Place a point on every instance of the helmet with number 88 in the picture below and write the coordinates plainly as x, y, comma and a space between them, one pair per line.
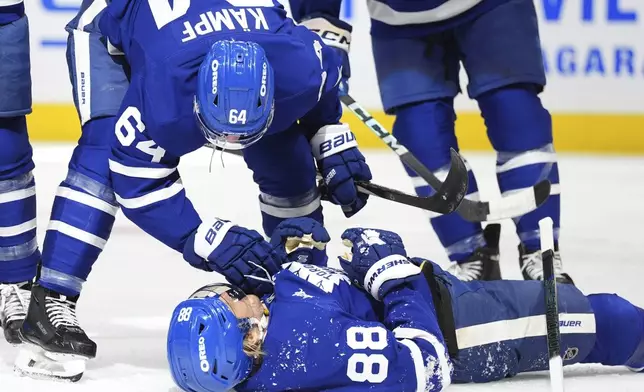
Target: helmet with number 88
205, 342
234, 102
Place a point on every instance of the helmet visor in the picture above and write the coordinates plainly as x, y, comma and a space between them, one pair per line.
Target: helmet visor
234, 297
217, 289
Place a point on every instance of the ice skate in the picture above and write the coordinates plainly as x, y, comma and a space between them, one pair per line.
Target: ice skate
532, 266
14, 302
60, 346
483, 264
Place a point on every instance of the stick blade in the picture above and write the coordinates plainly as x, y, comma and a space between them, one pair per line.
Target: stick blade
454, 188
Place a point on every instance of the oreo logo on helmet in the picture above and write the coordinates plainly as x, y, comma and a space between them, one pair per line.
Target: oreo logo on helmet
214, 66
262, 90
203, 360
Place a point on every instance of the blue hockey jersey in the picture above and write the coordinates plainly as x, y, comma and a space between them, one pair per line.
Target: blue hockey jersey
326, 335
403, 18
164, 43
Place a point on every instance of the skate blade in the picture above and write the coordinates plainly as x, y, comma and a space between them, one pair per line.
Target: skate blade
36, 363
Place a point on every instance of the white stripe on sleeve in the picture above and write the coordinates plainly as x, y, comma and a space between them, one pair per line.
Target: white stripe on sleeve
419, 364
140, 172
152, 197
441, 352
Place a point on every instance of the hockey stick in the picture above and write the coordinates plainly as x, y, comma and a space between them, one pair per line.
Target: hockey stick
552, 308
516, 204
369, 188
455, 185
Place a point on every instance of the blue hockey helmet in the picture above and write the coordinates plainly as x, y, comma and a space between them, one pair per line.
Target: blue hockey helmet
234, 102
205, 342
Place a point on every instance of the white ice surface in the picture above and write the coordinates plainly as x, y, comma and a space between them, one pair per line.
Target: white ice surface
137, 282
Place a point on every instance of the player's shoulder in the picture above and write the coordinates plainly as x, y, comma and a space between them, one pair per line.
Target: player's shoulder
161, 113
321, 280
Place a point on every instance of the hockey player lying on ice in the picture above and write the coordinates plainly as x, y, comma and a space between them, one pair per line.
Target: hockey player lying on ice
403, 325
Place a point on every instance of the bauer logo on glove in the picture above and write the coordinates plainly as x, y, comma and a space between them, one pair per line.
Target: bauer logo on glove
337, 141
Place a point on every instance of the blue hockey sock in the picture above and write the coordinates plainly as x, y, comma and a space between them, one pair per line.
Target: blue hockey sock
83, 213
427, 130
619, 332
19, 255
520, 130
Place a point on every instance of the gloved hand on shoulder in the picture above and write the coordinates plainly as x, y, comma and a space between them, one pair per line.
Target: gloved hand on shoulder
303, 240
240, 254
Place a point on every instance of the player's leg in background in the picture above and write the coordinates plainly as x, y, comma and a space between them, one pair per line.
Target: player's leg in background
85, 206
620, 332
19, 255
418, 80
284, 169
502, 56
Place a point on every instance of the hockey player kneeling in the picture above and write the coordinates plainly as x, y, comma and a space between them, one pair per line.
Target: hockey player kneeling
386, 322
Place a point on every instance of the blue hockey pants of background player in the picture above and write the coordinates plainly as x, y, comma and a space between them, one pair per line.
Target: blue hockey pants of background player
419, 79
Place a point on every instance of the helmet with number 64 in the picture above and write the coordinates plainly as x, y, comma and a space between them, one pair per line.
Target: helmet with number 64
234, 103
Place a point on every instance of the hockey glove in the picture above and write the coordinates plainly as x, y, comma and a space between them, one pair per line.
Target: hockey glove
240, 254
341, 164
377, 260
336, 34
303, 240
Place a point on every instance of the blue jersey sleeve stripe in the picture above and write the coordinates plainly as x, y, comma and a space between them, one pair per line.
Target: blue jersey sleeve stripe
140, 172
77, 233
152, 197
87, 200
419, 364
9, 231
